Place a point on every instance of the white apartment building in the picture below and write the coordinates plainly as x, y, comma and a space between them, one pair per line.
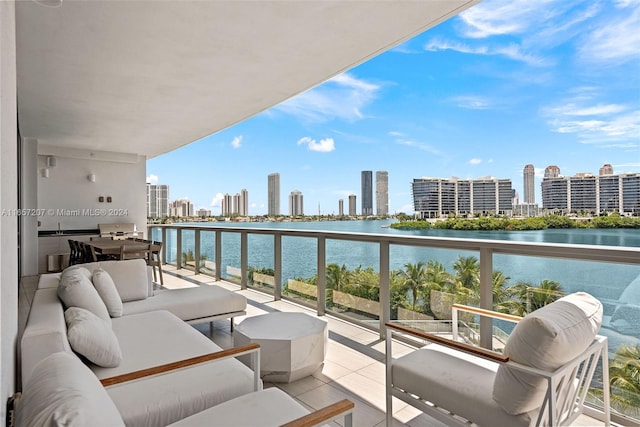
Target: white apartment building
296, 205
157, 200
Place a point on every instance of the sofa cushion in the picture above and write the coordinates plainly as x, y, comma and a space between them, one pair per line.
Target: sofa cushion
62, 391
92, 337
103, 283
130, 277
545, 339
76, 290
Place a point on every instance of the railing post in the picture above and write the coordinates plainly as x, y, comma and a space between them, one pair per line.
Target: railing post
486, 296
218, 255
178, 248
164, 245
454, 323
277, 266
385, 288
322, 275
196, 250
244, 259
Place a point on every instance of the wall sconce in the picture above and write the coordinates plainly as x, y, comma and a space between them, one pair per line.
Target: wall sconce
45, 173
51, 161
91, 177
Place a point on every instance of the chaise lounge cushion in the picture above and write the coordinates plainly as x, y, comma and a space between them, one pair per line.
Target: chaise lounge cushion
107, 290
62, 391
545, 339
191, 303
92, 337
76, 290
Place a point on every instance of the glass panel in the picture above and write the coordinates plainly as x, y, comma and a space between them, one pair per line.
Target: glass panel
300, 269
261, 266
208, 252
353, 280
188, 249
230, 268
170, 246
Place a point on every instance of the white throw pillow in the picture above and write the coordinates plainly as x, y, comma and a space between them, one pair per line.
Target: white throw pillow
62, 391
76, 290
545, 339
92, 337
130, 277
108, 292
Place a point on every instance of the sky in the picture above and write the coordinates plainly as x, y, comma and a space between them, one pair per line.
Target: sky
504, 84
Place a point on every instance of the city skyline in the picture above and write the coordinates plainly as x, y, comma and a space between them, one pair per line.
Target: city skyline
503, 85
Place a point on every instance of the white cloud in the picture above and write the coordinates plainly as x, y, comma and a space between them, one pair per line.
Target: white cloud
152, 179
324, 146
342, 97
475, 161
512, 51
419, 145
217, 200
472, 102
237, 142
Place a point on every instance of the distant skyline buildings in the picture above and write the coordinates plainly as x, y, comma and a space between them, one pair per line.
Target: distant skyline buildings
529, 186
366, 193
296, 203
352, 205
157, 200
181, 208
237, 204
382, 193
273, 194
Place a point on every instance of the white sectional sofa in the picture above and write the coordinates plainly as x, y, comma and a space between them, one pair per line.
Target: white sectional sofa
69, 315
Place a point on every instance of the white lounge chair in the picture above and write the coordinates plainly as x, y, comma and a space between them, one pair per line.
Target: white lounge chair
542, 378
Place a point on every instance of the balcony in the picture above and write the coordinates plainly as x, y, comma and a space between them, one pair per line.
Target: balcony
257, 262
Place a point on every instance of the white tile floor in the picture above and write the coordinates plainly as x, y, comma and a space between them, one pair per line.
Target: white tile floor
353, 369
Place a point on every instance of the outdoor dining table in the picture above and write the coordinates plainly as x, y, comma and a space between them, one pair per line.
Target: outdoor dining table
114, 247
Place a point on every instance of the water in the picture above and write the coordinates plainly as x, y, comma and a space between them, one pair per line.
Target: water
299, 255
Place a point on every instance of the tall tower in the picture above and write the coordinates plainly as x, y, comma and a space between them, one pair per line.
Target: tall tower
296, 206
367, 192
606, 169
552, 172
529, 174
382, 193
352, 205
273, 194
341, 207
157, 200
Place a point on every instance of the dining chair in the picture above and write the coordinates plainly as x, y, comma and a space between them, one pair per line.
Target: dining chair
154, 260
137, 253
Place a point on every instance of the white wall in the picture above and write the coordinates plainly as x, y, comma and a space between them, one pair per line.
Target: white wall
69, 198
8, 201
28, 200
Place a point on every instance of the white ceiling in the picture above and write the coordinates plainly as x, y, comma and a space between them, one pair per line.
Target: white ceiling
149, 76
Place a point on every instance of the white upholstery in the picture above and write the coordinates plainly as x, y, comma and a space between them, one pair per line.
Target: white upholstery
453, 377
191, 303
545, 339
76, 290
107, 290
46, 331
92, 337
158, 337
266, 408
63, 392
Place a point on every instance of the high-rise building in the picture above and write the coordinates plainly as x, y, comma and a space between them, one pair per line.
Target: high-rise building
382, 193
203, 212
593, 194
529, 186
552, 171
352, 205
157, 200
227, 205
181, 208
241, 203
296, 205
606, 169
273, 194
367, 193
438, 197
341, 207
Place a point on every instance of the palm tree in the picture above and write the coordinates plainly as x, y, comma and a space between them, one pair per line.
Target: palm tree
437, 278
503, 295
467, 271
531, 297
625, 379
336, 278
413, 277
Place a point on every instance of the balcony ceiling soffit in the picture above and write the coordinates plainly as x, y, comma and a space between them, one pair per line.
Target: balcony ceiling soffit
151, 76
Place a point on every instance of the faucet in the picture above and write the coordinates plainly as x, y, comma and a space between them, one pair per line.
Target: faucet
59, 231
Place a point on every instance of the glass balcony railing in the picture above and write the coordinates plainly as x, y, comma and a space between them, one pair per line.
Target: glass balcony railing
370, 279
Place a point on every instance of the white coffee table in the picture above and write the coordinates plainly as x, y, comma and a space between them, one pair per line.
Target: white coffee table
292, 345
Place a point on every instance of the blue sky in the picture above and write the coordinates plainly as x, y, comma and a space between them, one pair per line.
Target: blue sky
506, 83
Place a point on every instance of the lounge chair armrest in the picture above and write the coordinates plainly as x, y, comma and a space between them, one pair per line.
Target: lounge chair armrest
181, 364
323, 415
476, 351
